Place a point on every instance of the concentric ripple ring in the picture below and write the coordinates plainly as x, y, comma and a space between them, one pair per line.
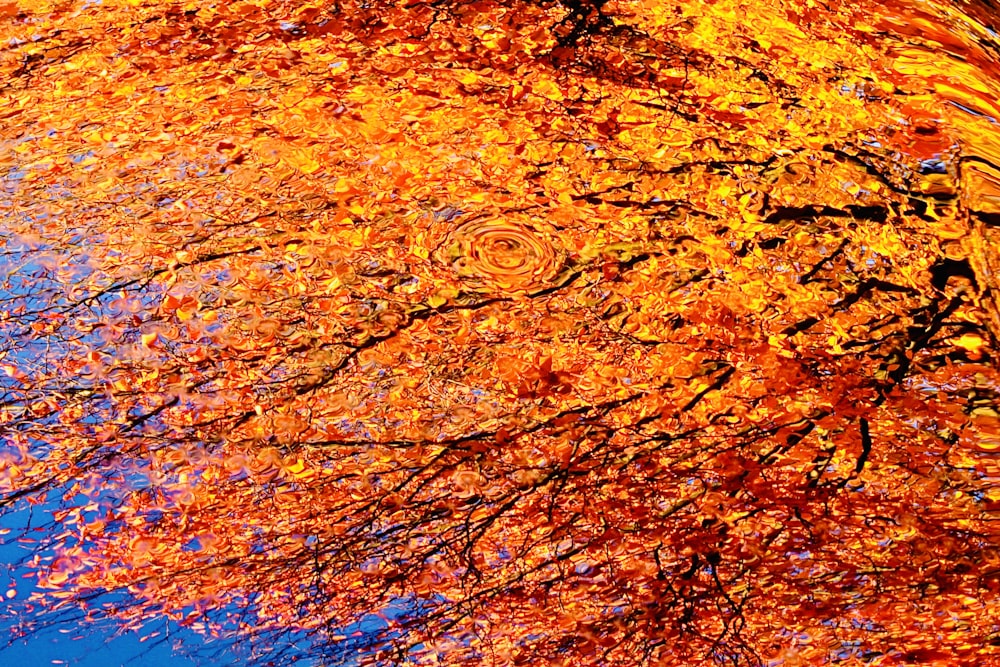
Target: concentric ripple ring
501, 254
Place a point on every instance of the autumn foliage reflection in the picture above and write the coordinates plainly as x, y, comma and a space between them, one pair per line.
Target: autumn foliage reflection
607, 332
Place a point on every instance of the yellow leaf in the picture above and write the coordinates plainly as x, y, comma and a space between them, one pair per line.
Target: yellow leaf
548, 89
970, 342
296, 468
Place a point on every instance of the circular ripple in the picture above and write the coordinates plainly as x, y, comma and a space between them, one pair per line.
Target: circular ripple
501, 254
